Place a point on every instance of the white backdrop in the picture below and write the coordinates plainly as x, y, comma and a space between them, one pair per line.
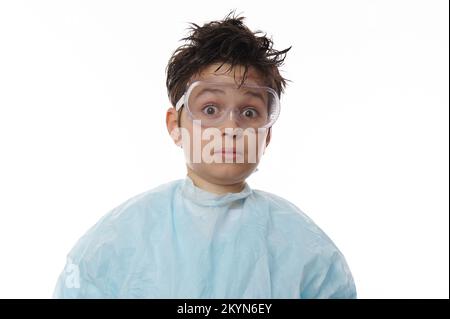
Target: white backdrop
361, 145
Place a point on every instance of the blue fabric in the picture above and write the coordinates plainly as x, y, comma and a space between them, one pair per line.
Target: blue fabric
180, 241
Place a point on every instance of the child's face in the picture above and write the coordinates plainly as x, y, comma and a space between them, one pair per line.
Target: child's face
225, 169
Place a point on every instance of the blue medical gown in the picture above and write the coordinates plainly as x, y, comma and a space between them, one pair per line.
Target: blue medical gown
180, 241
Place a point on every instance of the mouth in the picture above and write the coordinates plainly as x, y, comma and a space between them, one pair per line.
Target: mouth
230, 152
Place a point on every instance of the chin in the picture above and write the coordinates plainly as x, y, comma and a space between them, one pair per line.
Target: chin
229, 173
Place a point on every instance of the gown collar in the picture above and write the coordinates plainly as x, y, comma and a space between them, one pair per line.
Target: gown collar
205, 198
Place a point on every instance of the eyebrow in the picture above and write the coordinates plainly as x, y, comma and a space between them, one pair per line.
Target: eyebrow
206, 90
256, 94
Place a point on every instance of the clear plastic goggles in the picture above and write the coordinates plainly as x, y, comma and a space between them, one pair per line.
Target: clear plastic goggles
250, 106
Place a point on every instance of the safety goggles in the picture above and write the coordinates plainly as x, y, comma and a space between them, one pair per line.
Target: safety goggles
250, 106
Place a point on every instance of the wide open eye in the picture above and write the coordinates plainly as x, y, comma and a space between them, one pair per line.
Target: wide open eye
210, 109
250, 113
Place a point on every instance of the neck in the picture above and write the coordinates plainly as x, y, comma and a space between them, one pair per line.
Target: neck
213, 187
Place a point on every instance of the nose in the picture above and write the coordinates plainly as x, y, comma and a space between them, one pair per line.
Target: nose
230, 122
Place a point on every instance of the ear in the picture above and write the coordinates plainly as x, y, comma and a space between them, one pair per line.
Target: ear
172, 125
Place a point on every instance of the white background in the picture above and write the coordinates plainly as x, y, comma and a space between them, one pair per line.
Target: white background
361, 145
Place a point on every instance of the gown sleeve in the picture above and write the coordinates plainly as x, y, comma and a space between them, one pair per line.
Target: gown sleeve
91, 265
328, 278
72, 283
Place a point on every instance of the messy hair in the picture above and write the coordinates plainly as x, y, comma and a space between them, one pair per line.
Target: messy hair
227, 41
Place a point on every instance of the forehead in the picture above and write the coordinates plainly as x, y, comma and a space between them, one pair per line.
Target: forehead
225, 75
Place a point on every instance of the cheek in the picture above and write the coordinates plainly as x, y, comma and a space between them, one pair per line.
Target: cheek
255, 143
192, 142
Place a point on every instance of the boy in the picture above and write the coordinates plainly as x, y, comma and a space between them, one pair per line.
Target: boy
210, 235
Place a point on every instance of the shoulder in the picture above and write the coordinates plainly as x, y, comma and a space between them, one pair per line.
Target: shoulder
324, 269
289, 218
99, 262
123, 222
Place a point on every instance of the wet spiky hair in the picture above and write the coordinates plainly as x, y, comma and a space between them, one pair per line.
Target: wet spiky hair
228, 41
